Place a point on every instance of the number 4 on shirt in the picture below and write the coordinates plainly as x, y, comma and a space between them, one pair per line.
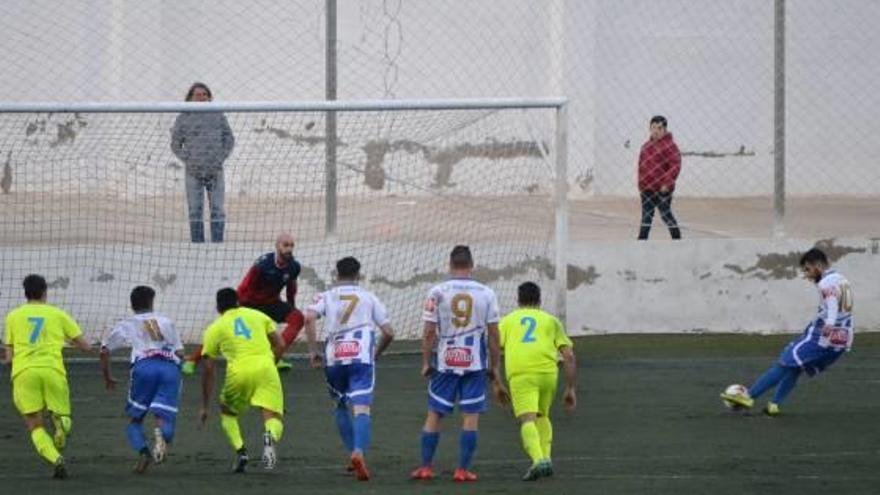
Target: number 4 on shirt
530, 331
241, 329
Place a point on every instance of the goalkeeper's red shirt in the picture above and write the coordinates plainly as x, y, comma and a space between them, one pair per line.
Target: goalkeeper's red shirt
263, 282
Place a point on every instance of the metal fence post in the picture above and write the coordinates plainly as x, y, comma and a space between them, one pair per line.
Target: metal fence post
330, 81
779, 118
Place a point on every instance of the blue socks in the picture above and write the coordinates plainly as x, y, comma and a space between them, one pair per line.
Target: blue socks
361, 432
429, 446
167, 428
355, 437
135, 435
466, 448
343, 424
467, 444
786, 378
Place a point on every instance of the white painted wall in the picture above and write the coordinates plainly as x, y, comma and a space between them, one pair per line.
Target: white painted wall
749, 286
93, 282
615, 287
707, 65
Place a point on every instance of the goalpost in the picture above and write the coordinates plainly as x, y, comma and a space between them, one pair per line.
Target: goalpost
93, 199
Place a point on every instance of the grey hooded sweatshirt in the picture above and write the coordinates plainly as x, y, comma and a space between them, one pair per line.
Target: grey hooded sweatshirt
202, 141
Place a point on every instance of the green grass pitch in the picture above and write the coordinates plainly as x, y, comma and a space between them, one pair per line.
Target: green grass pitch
649, 420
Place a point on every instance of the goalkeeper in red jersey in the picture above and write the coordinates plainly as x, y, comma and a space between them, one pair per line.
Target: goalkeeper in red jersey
261, 290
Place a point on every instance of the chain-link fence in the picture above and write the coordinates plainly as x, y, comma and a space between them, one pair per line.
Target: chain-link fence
709, 67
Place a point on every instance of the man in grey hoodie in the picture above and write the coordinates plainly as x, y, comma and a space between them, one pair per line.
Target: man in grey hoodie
203, 141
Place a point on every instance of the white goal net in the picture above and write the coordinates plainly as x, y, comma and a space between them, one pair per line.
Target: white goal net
95, 199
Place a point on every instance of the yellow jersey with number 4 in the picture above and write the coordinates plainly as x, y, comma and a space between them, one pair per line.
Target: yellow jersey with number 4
239, 334
37, 332
531, 339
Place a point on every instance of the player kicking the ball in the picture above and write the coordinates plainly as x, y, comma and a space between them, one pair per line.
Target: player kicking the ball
532, 340
156, 353
461, 319
247, 338
823, 342
352, 315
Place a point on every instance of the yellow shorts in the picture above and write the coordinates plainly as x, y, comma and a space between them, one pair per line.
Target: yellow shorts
254, 384
533, 393
36, 389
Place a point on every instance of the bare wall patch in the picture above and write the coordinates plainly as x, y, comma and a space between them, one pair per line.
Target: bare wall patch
164, 281
784, 266
59, 283
578, 276
309, 274
483, 274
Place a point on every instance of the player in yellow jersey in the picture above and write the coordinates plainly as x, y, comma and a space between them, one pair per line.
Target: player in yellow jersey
532, 340
248, 340
35, 336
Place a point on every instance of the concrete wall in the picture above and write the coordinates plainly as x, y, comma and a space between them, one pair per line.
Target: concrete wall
378, 153
93, 282
615, 287
711, 285
707, 65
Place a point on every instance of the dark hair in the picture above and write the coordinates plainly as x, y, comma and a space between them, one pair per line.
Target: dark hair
196, 85
227, 299
528, 294
142, 298
348, 268
35, 287
812, 256
659, 119
461, 258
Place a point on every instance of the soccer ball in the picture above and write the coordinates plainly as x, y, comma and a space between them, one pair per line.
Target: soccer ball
735, 389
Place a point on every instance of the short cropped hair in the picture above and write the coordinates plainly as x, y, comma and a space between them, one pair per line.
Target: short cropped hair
528, 294
227, 299
461, 257
348, 268
814, 255
35, 287
142, 298
197, 85
659, 119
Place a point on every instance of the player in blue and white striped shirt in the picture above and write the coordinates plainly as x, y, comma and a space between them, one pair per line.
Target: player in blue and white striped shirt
156, 354
823, 342
351, 315
461, 323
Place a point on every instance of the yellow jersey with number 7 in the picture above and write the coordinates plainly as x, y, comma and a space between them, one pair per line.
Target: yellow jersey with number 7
37, 332
531, 338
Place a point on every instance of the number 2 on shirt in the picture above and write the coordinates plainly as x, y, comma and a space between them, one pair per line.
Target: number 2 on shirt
37, 322
241, 329
530, 332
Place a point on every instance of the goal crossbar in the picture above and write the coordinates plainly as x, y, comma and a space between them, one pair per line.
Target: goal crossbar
282, 106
